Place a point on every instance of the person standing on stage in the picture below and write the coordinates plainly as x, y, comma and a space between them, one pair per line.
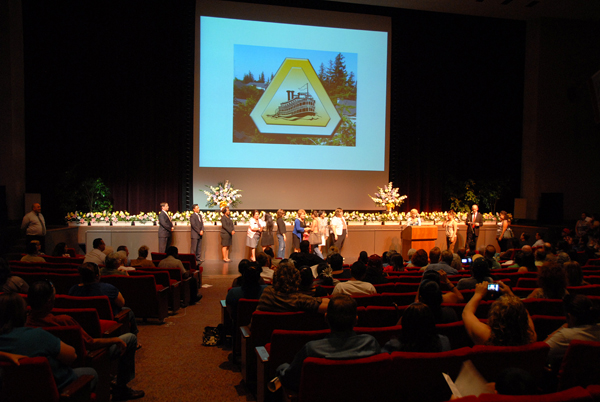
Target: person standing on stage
267, 234
253, 234
165, 227
414, 219
339, 229
315, 234
227, 233
197, 231
34, 225
324, 228
298, 232
451, 229
281, 234
474, 222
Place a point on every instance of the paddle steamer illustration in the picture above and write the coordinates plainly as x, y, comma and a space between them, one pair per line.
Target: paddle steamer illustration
297, 105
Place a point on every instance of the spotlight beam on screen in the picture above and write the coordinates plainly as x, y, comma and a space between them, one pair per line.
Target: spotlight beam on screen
279, 96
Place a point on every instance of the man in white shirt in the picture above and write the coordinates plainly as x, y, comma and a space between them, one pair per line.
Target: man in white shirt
97, 255
34, 225
339, 229
355, 286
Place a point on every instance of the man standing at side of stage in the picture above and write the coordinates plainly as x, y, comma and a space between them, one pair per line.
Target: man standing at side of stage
339, 229
34, 225
474, 222
165, 227
197, 231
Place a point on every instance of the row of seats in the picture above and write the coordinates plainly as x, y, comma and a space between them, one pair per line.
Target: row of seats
418, 376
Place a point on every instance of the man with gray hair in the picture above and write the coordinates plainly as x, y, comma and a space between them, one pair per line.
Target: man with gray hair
112, 263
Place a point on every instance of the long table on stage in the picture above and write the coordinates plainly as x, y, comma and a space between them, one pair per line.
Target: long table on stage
374, 239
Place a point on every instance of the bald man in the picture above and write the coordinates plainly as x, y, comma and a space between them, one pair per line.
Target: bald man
34, 225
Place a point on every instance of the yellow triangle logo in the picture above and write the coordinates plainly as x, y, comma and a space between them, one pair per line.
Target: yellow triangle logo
295, 103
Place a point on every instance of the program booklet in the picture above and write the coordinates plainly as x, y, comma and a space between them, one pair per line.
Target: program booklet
469, 382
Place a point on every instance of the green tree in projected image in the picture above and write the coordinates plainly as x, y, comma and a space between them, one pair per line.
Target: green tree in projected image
340, 86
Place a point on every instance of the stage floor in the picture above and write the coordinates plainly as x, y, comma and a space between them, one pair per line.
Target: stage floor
219, 267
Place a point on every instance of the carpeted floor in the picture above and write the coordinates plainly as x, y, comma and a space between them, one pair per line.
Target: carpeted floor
174, 366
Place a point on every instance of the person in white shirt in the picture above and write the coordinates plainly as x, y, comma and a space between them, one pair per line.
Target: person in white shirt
339, 229
414, 219
97, 255
34, 225
355, 286
539, 240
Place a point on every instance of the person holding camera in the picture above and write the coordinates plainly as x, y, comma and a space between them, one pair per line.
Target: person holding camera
509, 323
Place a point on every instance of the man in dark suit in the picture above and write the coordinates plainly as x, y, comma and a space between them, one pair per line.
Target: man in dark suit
197, 232
165, 227
474, 223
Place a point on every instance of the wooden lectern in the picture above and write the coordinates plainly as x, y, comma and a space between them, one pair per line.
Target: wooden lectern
418, 237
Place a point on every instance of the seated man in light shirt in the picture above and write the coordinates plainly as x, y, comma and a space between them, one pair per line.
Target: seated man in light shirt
355, 286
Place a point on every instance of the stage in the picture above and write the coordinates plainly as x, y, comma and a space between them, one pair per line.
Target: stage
372, 238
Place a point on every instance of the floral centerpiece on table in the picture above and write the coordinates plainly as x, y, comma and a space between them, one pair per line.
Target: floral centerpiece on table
223, 195
388, 197
144, 217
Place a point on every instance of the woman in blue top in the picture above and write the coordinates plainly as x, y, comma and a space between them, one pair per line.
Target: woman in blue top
298, 231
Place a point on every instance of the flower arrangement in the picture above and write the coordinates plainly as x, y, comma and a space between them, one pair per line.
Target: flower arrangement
388, 197
223, 195
183, 218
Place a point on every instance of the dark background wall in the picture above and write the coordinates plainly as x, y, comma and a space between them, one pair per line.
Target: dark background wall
108, 93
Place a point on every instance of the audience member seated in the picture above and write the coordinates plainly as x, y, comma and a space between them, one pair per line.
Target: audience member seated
471, 249
396, 263
251, 288
489, 254
307, 284
409, 255
444, 264
16, 338
32, 254
456, 262
355, 286
305, 257
336, 262
142, 261
9, 282
41, 300
515, 381
264, 262
480, 271
419, 259
509, 323
582, 324
574, 274
375, 273
539, 240
363, 257
552, 281
91, 286
526, 262
540, 257
60, 250
430, 293
562, 258
508, 254
341, 343
325, 275
524, 239
96, 255
112, 265
171, 261
123, 252
284, 295
419, 333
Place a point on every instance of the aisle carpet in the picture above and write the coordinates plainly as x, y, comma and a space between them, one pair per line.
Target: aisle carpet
174, 366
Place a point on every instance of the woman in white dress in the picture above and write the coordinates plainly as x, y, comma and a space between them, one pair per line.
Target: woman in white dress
253, 234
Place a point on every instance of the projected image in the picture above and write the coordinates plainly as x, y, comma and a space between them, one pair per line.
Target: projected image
279, 98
